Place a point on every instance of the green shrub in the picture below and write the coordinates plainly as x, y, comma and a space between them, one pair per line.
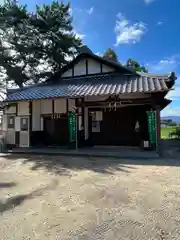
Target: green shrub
175, 134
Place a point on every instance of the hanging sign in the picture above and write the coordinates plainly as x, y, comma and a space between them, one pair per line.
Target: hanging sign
72, 126
152, 127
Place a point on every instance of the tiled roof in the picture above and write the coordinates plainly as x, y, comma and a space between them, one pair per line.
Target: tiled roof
99, 85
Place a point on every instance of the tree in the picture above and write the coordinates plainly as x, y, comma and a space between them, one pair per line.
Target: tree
136, 65
110, 55
34, 46
172, 124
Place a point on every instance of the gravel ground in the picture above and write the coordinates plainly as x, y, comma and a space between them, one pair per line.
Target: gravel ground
87, 198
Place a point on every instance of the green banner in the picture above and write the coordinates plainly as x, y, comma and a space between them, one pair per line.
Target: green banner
152, 127
72, 126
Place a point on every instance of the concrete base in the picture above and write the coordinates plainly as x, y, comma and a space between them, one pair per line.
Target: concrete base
100, 151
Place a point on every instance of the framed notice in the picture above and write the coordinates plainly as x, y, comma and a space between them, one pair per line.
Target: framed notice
11, 122
24, 123
95, 126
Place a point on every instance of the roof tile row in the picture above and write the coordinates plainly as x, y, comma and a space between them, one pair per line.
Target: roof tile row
99, 85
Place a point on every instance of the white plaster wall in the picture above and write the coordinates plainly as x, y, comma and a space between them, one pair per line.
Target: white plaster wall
10, 136
46, 106
86, 129
10, 110
24, 139
93, 66
79, 122
42, 124
60, 105
36, 115
23, 108
80, 68
106, 69
71, 104
67, 73
99, 116
17, 123
4, 122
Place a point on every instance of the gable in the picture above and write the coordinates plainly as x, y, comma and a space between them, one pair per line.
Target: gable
87, 66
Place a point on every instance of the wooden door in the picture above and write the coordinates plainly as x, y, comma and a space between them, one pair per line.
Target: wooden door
56, 131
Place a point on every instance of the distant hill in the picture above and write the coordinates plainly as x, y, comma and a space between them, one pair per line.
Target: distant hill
173, 118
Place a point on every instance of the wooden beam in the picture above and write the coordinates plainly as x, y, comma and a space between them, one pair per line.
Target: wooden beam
53, 125
101, 67
118, 103
67, 106
73, 70
158, 131
86, 67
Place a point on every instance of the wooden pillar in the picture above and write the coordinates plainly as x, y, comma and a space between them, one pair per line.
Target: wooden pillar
30, 123
86, 123
53, 122
17, 131
77, 123
158, 131
82, 112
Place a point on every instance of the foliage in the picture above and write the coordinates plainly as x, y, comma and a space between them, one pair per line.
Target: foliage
34, 46
172, 124
85, 49
136, 65
175, 134
166, 121
166, 132
110, 55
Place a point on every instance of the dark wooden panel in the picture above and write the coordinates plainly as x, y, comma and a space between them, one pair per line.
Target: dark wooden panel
56, 131
118, 127
17, 138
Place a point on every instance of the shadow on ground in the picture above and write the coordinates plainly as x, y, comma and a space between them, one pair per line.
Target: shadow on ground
7, 184
18, 200
63, 164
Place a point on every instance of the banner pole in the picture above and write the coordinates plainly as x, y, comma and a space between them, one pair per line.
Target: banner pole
76, 129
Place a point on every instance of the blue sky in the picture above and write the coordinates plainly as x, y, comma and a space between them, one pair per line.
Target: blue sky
146, 30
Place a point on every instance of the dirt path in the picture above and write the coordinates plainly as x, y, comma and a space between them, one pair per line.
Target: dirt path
79, 198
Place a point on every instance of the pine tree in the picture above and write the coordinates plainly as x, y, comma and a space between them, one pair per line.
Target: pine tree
136, 65
110, 55
34, 46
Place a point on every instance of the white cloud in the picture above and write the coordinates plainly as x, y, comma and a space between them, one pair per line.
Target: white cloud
175, 93
127, 32
170, 111
79, 35
159, 23
148, 1
100, 54
90, 11
174, 108
165, 65
81, 17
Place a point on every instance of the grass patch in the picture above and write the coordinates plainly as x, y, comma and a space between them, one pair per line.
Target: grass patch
166, 131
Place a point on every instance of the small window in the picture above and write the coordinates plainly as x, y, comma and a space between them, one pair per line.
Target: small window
10, 122
24, 124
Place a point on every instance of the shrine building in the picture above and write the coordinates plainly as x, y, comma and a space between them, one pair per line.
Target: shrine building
93, 101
